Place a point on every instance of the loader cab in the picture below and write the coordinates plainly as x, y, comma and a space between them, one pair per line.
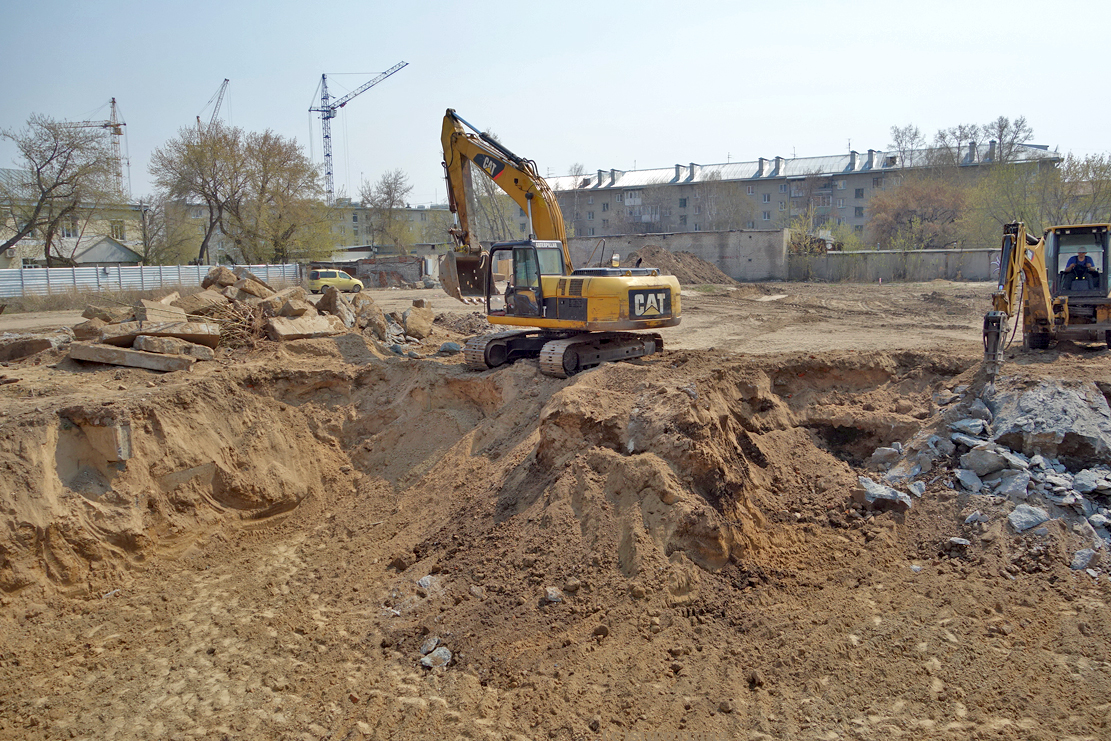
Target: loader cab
1063, 243
525, 264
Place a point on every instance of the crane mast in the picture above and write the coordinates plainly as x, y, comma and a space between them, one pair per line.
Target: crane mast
219, 98
327, 110
114, 126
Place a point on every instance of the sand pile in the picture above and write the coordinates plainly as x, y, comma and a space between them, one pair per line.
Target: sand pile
690, 270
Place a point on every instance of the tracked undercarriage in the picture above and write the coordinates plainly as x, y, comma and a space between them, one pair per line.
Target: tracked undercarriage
562, 353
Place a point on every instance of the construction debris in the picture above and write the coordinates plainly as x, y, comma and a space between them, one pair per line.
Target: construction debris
123, 335
131, 358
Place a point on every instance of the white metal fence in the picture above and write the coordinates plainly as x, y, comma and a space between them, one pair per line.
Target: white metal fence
45, 281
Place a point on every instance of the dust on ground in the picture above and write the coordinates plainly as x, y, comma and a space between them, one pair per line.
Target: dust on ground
665, 545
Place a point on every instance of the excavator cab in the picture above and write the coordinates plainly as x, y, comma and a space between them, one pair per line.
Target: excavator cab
1064, 243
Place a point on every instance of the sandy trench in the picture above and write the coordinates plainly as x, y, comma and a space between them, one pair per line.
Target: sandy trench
290, 525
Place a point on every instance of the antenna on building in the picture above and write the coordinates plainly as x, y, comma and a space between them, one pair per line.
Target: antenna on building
728, 157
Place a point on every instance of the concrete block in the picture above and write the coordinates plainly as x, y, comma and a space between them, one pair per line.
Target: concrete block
123, 335
22, 347
282, 329
333, 302
220, 277
243, 272
169, 298
89, 330
173, 346
297, 307
201, 304
418, 321
155, 311
253, 287
272, 305
131, 358
109, 314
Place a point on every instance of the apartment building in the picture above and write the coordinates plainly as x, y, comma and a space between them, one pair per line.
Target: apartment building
767, 193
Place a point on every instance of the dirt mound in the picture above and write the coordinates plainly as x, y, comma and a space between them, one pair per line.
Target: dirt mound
690, 270
467, 324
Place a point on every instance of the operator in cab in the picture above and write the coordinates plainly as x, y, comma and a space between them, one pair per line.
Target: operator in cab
1079, 267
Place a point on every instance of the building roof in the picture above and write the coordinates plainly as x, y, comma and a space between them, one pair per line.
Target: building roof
781, 167
106, 249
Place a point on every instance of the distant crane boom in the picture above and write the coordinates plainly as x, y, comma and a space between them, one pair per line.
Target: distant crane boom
327, 110
113, 126
219, 98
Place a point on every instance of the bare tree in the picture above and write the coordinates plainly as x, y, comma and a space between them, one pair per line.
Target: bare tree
1008, 135
906, 141
951, 145
387, 201
62, 171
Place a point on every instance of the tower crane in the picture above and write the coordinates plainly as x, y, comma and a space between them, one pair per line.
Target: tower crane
327, 110
114, 126
219, 98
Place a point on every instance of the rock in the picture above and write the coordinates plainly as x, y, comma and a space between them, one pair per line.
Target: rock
295, 308
272, 305
365, 308
429, 645
969, 480
417, 321
725, 706
109, 314
552, 594
1082, 559
252, 288
962, 439
22, 346
89, 330
595, 723
983, 460
219, 276
979, 410
880, 496
242, 272
882, 458
1086, 481
132, 358
413, 354
154, 311
637, 591
451, 348
970, 426
173, 346
123, 335
1015, 460
477, 592
422, 303
1056, 420
755, 679
601, 631
975, 517
572, 585
333, 302
439, 657
917, 488
941, 446
397, 349
425, 582
1099, 520
234, 294
956, 546
1014, 485
283, 329
203, 303
904, 406
1025, 517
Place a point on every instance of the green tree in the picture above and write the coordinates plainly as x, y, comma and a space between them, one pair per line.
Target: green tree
63, 173
922, 213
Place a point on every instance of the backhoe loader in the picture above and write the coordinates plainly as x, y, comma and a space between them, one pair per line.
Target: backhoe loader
579, 317
1059, 301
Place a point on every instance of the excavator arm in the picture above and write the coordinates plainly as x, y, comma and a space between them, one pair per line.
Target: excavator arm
462, 271
1021, 265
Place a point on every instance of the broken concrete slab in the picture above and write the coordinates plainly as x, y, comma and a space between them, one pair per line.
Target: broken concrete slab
296, 307
173, 346
201, 304
243, 272
282, 329
169, 298
1057, 420
109, 314
272, 305
220, 277
880, 496
156, 311
333, 302
983, 460
252, 287
417, 320
15, 347
132, 358
89, 330
123, 335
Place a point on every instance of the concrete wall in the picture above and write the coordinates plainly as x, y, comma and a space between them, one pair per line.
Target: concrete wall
915, 265
742, 255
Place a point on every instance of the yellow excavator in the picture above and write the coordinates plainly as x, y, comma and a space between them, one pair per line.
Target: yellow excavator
1063, 295
571, 319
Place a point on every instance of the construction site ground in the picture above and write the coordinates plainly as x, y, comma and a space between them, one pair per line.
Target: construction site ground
663, 548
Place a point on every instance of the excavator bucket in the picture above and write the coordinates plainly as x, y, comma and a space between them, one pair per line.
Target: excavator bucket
463, 275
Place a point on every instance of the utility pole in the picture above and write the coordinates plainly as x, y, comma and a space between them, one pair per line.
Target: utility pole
327, 110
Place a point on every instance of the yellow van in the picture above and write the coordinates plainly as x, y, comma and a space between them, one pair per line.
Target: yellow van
321, 279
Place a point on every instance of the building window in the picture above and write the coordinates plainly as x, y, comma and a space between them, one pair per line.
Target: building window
859, 193
783, 187
605, 207
750, 190
821, 201
840, 203
591, 231
697, 227
69, 227
766, 215
840, 185
605, 222
877, 182
423, 216
782, 206
590, 216
632, 197
859, 229
617, 198
354, 218
752, 225
682, 203
698, 209
767, 198
682, 220
521, 210
116, 230
858, 212
590, 200
355, 231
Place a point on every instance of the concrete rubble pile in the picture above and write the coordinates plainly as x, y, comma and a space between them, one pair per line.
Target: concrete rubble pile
1023, 459
174, 332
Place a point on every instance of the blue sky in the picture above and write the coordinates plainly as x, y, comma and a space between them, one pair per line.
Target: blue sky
606, 84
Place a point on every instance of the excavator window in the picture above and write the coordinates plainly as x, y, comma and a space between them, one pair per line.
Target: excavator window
1068, 244
525, 297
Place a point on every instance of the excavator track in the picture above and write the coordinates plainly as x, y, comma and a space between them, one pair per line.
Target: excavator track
564, 358
475, 351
